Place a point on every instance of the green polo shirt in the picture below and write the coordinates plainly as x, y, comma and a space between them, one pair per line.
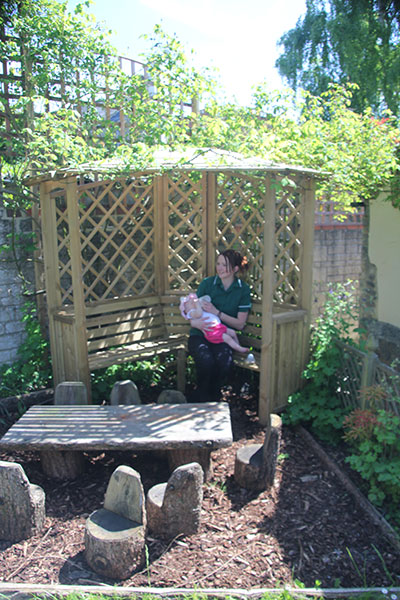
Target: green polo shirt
231, 301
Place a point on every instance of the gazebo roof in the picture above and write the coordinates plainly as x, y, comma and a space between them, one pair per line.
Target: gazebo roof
185, 159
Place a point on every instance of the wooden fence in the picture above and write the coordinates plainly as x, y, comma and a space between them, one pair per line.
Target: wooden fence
360, 370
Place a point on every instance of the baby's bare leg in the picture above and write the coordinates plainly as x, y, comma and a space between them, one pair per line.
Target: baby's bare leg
232, 340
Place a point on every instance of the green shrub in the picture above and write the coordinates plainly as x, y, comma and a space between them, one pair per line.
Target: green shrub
32, 370
317, 404
373, 434
144, 373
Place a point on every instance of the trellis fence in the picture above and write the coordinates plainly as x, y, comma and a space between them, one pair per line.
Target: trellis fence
87, 88
361, 370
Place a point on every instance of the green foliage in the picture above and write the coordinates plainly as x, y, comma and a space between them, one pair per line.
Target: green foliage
340, 41
321, 132
373, 434
317, 404
144, 373
358, 151
31, 371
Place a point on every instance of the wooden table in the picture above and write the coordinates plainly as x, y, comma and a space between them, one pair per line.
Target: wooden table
188, 431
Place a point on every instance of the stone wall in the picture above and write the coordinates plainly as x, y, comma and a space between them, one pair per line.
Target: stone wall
11, 298
337, 258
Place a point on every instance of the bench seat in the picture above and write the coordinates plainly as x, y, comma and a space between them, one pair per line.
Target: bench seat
135, 328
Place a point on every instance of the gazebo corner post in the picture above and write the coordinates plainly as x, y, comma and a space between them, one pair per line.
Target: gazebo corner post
77, 360
266, 359
161, 246
308, 185
210, 222
52, 277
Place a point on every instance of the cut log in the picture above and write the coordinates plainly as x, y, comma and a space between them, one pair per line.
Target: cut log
62, 464
114, 545
255, 464
183, 456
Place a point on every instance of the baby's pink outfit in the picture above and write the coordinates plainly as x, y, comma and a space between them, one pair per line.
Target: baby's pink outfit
214, 329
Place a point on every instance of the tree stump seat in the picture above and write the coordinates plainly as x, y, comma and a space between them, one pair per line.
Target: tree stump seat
255, 464
173, 508
22, 504
65, 464
115, 534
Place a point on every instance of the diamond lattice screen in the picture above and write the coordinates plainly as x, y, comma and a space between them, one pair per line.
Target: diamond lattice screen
240, 221
185, 231
289, 212
63, 244
117, 238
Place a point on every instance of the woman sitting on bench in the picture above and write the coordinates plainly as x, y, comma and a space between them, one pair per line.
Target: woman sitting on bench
214, 331
230, 302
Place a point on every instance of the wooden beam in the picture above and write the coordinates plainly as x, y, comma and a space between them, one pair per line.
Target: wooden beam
52, 276
266, 360
76, 342
210, 226
308, 184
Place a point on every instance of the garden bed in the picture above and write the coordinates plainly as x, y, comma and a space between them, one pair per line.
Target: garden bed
308, 527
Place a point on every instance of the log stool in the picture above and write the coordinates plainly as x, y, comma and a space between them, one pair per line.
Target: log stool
125, 392
22, 504
173, 508
115, 534
171, 397
65, 464
255, 464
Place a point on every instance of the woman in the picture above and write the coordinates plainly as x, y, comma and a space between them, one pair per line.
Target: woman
230, 301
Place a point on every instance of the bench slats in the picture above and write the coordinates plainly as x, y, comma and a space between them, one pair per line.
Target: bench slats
154, 333
112, 329
131, 328
116, 356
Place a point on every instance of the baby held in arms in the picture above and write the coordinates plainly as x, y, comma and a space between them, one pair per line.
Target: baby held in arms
214, 331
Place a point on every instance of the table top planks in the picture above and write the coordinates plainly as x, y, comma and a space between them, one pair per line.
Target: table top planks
143, 427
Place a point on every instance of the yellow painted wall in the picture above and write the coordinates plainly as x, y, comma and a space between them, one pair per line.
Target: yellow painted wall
384, 252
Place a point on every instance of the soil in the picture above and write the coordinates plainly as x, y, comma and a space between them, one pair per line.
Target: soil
306, 528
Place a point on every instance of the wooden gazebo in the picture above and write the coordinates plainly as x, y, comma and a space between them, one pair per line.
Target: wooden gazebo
120, 250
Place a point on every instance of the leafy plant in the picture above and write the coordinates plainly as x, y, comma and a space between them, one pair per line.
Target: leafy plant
32, 369
317, 404
373, 434
144, 373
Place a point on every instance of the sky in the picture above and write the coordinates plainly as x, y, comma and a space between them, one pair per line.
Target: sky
236, 37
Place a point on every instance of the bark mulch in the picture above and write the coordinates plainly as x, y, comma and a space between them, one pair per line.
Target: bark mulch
306, 528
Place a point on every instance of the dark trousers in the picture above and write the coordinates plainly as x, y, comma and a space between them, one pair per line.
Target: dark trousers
213, 363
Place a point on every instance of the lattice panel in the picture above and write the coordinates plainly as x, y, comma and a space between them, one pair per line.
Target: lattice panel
117, 238
185, 231
63, 245
240, 220
289, 211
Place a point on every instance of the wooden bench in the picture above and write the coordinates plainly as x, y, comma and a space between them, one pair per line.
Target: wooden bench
124, 330
135, 328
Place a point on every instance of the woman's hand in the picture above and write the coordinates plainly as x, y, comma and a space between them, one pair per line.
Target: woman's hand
209, 307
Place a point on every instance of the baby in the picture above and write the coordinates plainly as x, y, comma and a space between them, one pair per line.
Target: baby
214, 331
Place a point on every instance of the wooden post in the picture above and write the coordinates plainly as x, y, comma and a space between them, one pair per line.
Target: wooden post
161, 245
38, 265
306, 273
78, 363
266, 358
209, 223
52, 276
